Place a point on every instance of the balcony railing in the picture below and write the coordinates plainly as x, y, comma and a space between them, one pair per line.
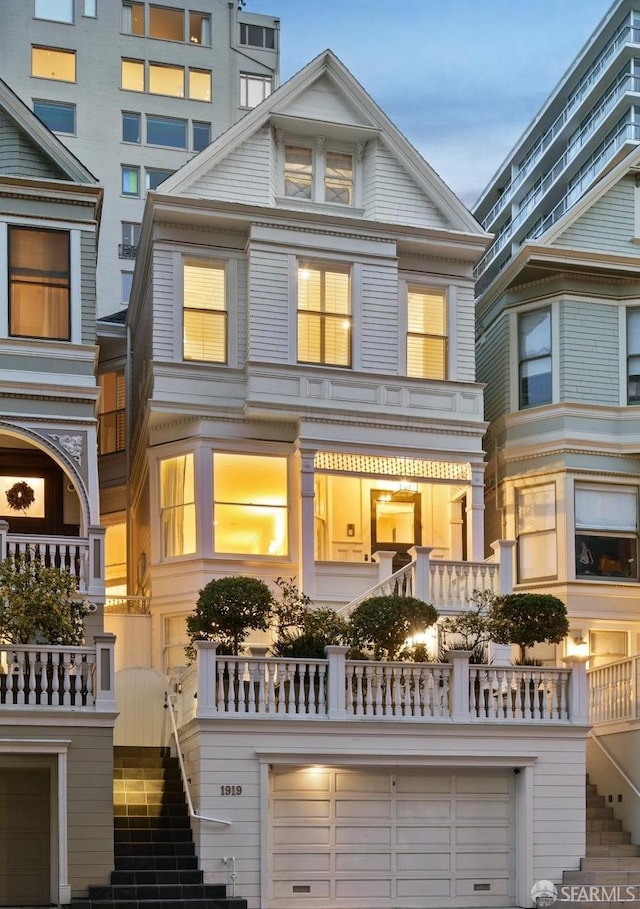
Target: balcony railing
126, 605
52, 678
127, 251
613, 691
340, 689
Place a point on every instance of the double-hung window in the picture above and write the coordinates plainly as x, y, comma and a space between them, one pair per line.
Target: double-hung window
534, 358
111, 426
177, 506
338, 178
536, 532
250, 508
39, 283
204, 311
130, 180
131, 127
298, 172
426, 333
633, 356
606, 531
319, 174
324, 314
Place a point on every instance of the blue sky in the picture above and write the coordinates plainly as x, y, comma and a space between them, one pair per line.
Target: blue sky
460, 78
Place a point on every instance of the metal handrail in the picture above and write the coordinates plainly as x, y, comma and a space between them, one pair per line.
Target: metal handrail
185, 781
617, 766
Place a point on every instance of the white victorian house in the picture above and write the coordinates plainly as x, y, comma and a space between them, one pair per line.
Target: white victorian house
303, 403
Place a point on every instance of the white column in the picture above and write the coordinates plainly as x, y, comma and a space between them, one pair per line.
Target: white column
307, 524
64, 888
475, 516
504, 552
459, 659
336, 682
578, 695
207, 671
95, 581
422, 578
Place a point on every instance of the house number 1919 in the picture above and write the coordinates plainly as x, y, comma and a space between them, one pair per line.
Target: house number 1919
231, 790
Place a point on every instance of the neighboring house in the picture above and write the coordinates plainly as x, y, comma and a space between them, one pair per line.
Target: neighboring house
135, 89
558, 348
304, 404
56, 727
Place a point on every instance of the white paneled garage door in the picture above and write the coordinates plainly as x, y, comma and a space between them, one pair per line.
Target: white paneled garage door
377, 839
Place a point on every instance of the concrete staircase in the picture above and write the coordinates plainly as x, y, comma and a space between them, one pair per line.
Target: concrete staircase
612, 861
155, 862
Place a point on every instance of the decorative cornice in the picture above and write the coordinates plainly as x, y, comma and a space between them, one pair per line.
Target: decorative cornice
327, 230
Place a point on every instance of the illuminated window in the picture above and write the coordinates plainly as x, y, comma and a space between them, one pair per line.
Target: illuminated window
166, 23
133, 18
324, 315
49, 63
111, 424
39, 283
534, 348
536, 532
254, 89
298, 172
338, 178
166, 80
54, 10
200, 84
115, 559
59, 117
204, 311
37, 507
250, 504
177, 506
200, 28
426, 335
132, 75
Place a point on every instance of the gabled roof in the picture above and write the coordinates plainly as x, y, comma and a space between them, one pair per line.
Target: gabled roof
42, 137
276, 108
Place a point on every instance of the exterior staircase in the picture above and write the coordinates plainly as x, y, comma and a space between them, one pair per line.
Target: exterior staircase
155, 862
611, 859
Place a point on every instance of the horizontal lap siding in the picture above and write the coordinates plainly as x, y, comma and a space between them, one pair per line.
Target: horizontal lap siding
88, 286
269, 307
243, 176
492, 360
20, 157
590, 353
164, 301
464, 328
379, 318
241, 310
398, 199
608, 226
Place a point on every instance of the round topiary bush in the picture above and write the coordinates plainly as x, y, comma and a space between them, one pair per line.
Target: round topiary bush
384, 623
227, 610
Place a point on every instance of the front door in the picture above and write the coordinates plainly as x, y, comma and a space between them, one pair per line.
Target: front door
395, 523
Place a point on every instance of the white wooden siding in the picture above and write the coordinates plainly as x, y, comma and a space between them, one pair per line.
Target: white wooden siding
461, 329
327, 103
20, 157
167, 306
398, 199
269, 307
243, 176
589, 353
88, 286
378, 328
492, 359
608, 225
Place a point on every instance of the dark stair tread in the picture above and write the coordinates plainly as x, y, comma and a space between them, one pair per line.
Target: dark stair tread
158, 892
140, 821
179, 876
157, 863
221, 903
154, 849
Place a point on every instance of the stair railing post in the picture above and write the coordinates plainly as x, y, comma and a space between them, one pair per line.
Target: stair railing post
578, 693
206, 701
421, 556
503, 550
384, 558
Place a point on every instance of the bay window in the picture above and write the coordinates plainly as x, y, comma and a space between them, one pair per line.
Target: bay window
633, 356
39, 283
204, 311
606, 532
426, 335
250, 508
534, 358
536, 532
324, 315
177, 506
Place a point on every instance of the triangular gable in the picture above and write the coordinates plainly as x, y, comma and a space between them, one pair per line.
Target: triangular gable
29, 149
325, 91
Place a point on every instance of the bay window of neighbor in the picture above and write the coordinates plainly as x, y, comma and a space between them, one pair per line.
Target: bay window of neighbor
250, 508
204, 311
427, 333
633, 356
177, 506
324, 315
536, 532
606, 541
39, 283
534, 358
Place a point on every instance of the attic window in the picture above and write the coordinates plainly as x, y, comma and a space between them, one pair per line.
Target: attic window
318, 174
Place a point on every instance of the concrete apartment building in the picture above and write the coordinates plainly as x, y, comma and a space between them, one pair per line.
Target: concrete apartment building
135, 89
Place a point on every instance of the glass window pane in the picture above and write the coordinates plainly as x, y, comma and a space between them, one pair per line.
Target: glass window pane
427, 311
133, 18
606, 556
633, 331
59, 117
91, 8
535, 334
177, 504
426, 357
254, 89
132, 75
131, 181
298, 172
55, 10
166, 131
126, 282
47, 63
201, 135
535, 382
166, 23
200, 85
155, 177
536, 509
338, 180
166, 80
606, 509
130, 233
39, 283
205, 321
200, 28
537, 556
130, 127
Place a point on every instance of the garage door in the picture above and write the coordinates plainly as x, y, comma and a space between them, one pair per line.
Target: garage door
379, 839
24, 837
